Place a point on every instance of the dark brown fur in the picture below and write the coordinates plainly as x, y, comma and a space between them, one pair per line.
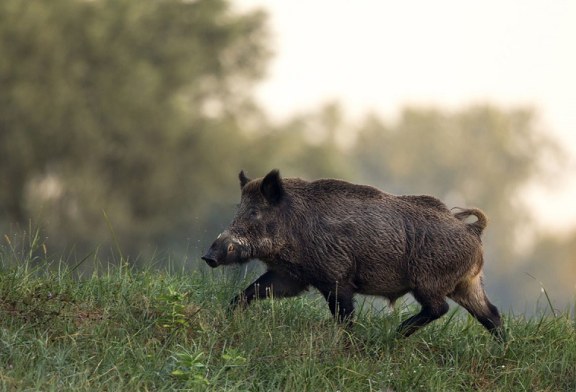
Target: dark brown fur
344, 239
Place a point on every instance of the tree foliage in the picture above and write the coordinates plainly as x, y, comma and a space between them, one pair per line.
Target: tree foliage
480, 155
121, 106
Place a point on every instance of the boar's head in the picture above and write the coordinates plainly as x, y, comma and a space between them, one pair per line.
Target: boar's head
254, 231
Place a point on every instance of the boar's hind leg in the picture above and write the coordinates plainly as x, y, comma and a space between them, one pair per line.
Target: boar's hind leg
269, 284
471, 295
432, 309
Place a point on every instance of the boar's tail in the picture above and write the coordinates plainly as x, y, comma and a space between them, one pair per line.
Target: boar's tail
475, 227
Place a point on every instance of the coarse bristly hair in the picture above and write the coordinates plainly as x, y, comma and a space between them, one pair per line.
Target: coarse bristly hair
343, 238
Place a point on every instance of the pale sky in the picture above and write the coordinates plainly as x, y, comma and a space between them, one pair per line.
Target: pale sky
378, 55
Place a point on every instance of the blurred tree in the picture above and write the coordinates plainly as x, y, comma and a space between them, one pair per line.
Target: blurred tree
552, 263
125, 106
480, 156
307, 145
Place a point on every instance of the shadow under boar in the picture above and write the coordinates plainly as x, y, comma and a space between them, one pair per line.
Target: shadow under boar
344, 239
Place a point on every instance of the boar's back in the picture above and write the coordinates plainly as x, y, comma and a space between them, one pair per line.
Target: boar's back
425, 201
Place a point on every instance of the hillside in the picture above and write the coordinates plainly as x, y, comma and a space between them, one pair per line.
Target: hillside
127, 329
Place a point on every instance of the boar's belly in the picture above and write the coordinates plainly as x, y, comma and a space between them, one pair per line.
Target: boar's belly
384, 283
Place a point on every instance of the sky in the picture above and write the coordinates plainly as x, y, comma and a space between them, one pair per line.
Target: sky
378, 55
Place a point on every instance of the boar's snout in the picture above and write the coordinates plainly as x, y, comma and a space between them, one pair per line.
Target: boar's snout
210, 259
214, 256
223, 251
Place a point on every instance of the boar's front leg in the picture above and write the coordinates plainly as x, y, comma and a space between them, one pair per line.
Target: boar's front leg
269, 284
341, 303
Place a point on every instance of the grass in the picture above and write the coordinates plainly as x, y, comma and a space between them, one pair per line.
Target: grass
156, 329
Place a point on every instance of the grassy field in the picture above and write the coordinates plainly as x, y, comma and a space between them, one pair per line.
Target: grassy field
156, 329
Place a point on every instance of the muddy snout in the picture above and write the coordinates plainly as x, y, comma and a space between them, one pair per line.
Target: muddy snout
222, 251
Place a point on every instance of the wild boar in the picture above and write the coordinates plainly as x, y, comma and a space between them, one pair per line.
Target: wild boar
343, 239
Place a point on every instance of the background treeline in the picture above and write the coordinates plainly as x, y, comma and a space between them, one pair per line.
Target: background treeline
126, 122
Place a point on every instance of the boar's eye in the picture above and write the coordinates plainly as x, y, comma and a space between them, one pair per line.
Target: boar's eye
254, 214
230, 248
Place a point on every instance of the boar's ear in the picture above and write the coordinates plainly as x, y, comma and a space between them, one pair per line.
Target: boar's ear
272, 187
243, 179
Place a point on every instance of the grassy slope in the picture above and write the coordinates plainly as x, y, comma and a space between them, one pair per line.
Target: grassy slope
153, 330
